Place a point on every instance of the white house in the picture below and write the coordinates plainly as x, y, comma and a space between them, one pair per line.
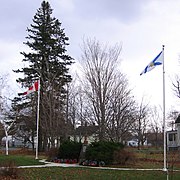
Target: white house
173, 137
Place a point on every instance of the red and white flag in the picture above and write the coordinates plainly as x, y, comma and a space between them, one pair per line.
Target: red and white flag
31, 89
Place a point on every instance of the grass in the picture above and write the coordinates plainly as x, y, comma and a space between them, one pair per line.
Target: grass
153, 158
145, 159
59, 173
20, 160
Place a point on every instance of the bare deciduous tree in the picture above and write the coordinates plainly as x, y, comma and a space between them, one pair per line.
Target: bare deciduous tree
176, 86
172, 116
142, 123
155, 125
106, 89
121, 111
5, 119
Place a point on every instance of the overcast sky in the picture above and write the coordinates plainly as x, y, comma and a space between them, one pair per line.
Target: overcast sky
142, 26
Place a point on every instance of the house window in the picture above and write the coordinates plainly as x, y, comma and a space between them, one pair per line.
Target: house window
172, 137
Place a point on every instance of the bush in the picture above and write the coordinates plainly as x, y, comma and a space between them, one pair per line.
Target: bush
124, 157
102, 151
8, 169
70, 150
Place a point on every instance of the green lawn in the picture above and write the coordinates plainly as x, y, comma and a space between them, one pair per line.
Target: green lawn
144, 160
92, 174
19, 160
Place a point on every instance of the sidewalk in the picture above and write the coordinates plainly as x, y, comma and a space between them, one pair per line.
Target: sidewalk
50, 164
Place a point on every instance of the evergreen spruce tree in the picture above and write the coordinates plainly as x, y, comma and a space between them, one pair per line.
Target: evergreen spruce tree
47, 60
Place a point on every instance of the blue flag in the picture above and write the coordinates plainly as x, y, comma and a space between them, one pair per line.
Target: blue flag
157, 61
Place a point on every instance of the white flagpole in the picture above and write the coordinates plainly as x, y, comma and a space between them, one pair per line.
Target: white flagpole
164, 122
37, 122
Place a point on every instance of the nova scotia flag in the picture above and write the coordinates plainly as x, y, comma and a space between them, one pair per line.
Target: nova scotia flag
157, 61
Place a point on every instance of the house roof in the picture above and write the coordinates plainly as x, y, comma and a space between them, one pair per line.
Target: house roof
177, 120
171, 131
86, 130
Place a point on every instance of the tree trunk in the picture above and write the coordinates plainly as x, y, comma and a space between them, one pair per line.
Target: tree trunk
6, 143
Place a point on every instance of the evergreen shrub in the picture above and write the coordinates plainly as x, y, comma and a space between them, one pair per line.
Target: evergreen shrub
70, 150
102, 151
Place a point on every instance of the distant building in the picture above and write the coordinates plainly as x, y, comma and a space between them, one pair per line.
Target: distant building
85, 133
15, 142
19, 138
173, 137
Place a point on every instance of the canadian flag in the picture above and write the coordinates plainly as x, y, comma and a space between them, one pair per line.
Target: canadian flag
31, 89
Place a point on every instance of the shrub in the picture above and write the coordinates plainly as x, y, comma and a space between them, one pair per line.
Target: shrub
124, 157
102, 151
70, 150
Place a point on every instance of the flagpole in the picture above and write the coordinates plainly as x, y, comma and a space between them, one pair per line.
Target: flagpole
37, 122
164, 123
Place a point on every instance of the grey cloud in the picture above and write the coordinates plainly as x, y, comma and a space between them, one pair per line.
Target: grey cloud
16, 15
124, 10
